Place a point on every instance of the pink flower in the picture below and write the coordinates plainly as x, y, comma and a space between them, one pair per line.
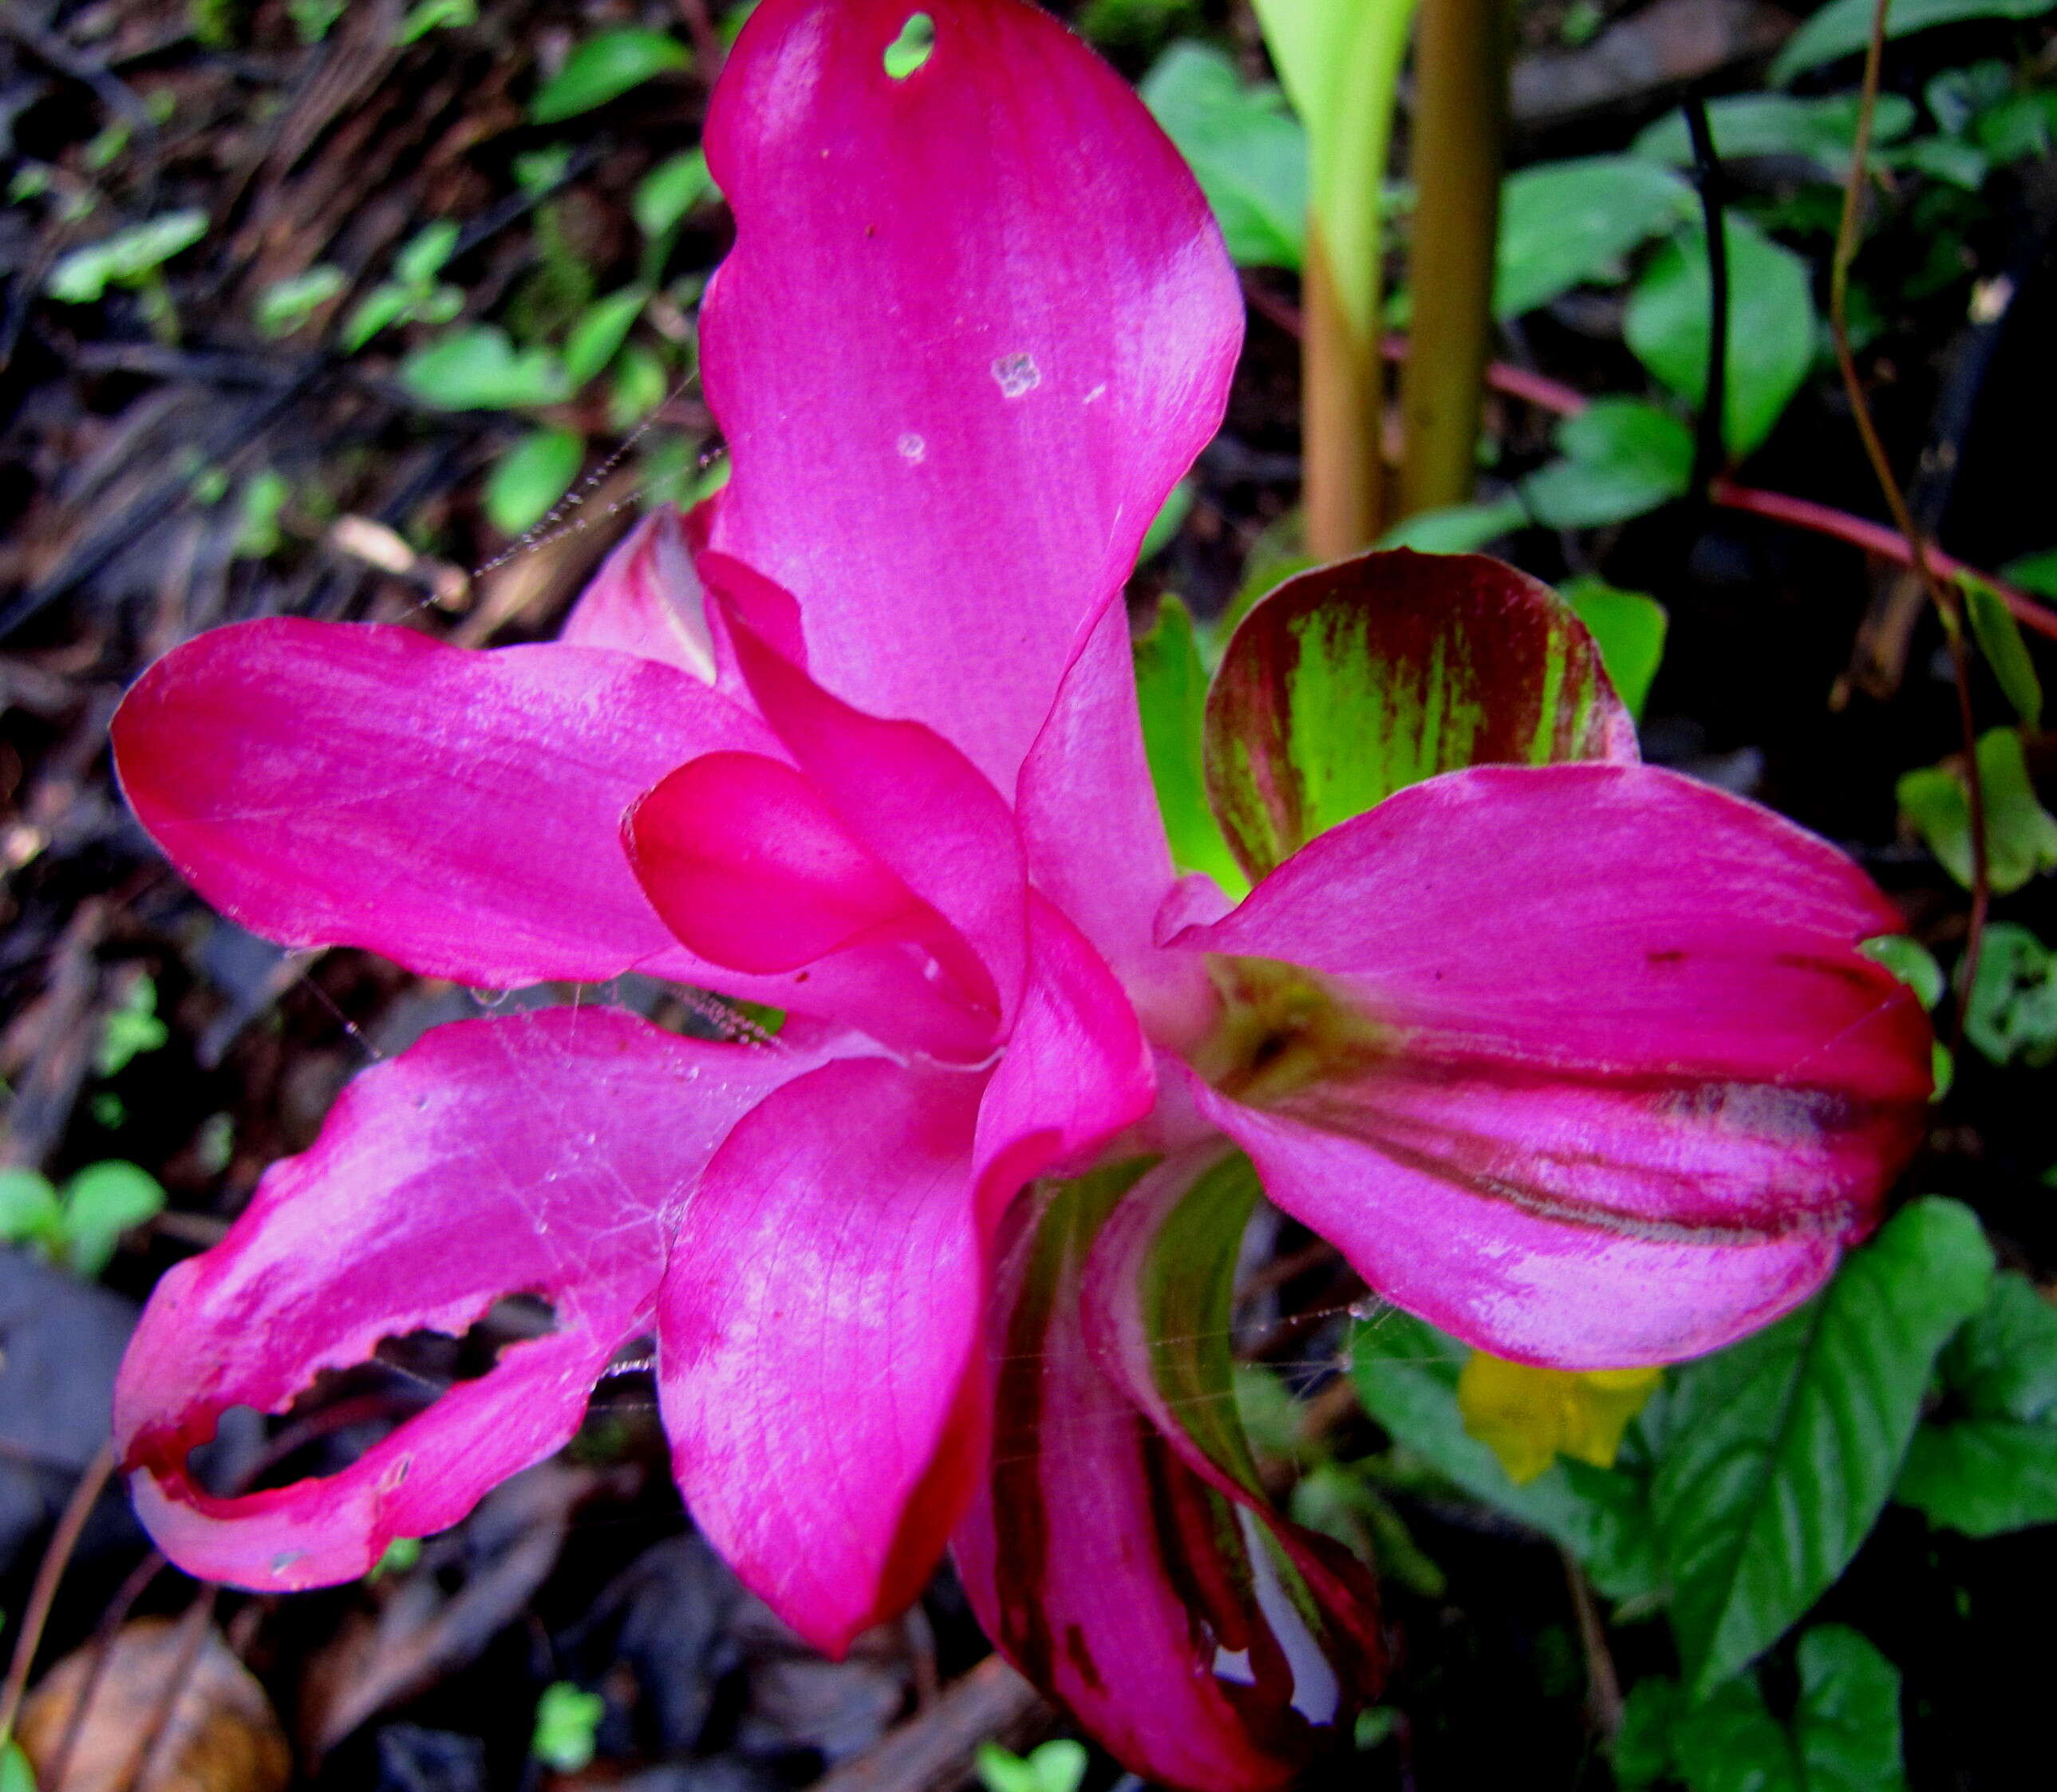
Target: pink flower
1579, 1060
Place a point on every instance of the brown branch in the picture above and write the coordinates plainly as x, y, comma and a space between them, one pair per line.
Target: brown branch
57, 1557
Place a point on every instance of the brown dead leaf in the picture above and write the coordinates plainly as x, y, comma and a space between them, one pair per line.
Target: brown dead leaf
220, 1735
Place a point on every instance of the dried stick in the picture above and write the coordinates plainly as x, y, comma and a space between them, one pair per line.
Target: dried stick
57, 1557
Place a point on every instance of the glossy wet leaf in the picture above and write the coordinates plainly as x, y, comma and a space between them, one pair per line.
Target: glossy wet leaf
1843, 27
1571, 223
531, 477
1844, 1734
1247, 149
1628, 627
1528, 1417
2012, 1015
1407, 1374
1781, 1450
1772, 327
1355, 681
1172, 688
603, 68
2000, 640
2021, 835
1622, 457
1991, 1465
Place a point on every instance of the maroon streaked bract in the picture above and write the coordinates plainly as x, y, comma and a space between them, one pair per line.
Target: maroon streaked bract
1580, 1060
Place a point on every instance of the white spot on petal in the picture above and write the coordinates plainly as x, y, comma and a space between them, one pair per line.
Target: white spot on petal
1017, 375
914, 451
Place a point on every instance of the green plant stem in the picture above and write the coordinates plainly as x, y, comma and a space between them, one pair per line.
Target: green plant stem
1456, 150
1948, 600
1342, 411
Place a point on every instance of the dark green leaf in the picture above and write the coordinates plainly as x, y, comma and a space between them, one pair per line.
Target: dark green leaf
1771, 332
1622, 458
1780, 1449
2021, 835
479, 369
1843, 27
2012, 1013
1172, 688
1628, 628
602, 69
2000, 639
1406, 1374
1565, 224
1247, 151
531, 477
1354, 680
2034, 572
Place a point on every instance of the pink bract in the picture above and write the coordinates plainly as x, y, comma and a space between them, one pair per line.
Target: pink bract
1580, 1061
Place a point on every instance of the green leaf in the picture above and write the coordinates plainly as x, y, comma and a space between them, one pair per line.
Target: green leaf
130, 1030
125, 258
640, 382
1247, 151
1172, 688
1994, 1469
1457, 528
530, 478
1643, 1747
284, 305
1771, 326
1407, 1372
16, 1774
1780, 1451
1622, 458
480, 369
1170, 519
100, 1203
1338, 1500
1354, 680
1822, 132
2000, 639
598, 335
29, 1211
672, 189
379, 309
1056, 1765
2021, 835
1566, 224
1909, 960
603, 68
425, 254
1843, 27
2036, 573
1628, 627
2012, 1015
913, 48
567, 1720
434, 15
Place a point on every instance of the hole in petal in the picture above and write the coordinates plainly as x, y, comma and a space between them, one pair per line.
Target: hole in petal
914, 45
343, 1412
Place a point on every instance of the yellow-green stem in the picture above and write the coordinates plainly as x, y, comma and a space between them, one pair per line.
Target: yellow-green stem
1455, 150
1342, 414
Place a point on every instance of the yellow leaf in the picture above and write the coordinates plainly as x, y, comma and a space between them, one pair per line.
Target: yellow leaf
1529, 1417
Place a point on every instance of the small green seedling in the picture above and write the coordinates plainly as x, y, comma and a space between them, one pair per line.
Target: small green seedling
1056, 1766
567, 1718
81, 1227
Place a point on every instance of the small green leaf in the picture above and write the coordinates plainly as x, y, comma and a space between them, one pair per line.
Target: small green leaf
1843, 27
1246, 148
16, 1774
913, 48
100, 1203
1170, 519
1822, 132
1771, 334
530, 478
284, 305
603, 68
1644, 1745
425, 254
1994, 1469
1354, 680
2036, 573
1057, 1766
2012, 1015
1909, 960
29, 1211
567, 1720
125, 258
1780, 1451
1171, 690
672, 189
434, 15
2021, 835
1628, 627
480, 369
379, 309
1457, 528
130, 1030
640, 383
401, 1554
258, 536
1622, 458
596, 337
1566, 224
2000, 639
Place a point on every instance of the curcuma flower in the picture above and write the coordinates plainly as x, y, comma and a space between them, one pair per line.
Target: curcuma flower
1576, 1058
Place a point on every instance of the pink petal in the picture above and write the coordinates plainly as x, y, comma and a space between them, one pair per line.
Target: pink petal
1095, 838
977, 323
332, 783
495, 1157
1618, 1086
814, 1333
646, 600
1076, 1070
1139, 1590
